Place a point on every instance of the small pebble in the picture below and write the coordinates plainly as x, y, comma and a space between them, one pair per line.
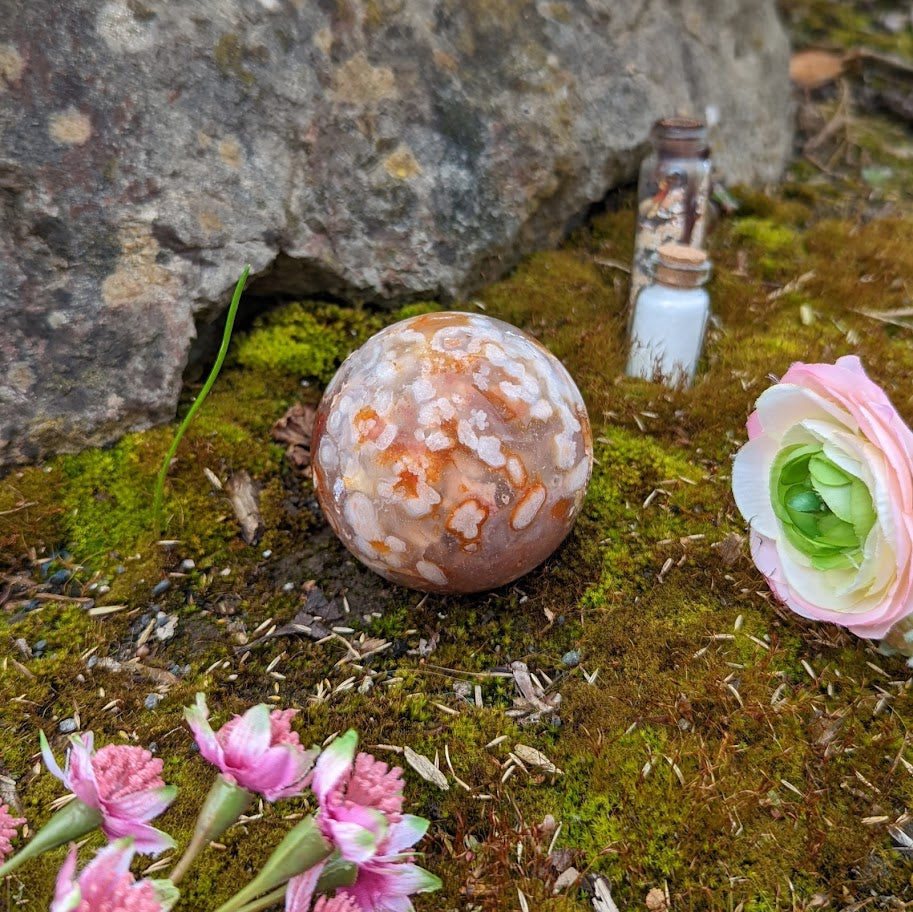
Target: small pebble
287, 587
67, 726
104, 590
187, 564
40, 646
161, 587
571, 658
152, 700
267, 553
225, 571
59, 577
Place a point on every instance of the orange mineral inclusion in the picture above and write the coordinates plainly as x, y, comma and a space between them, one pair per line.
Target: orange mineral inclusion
452, 453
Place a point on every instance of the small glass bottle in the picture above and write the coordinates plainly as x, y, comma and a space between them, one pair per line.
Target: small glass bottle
672, 193
670, 318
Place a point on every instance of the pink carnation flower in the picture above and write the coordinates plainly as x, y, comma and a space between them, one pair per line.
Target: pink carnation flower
361, 814
8, 827
258, 751
359, 803
106, 885
826, 483
124, 784
385, 883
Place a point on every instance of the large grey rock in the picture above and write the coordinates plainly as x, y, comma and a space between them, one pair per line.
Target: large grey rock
371, 149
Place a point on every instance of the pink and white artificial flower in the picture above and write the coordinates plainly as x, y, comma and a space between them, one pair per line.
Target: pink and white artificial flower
361, 815
385, 882
826, 484
123, 783
258, 751
105, 884
8, 827
358, 802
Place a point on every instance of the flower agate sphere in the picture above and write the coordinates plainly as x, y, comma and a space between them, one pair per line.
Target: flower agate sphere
452, 453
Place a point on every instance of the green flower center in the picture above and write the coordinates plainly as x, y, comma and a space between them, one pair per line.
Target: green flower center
825, 512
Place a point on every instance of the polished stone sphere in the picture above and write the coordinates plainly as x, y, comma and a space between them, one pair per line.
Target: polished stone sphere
451, 452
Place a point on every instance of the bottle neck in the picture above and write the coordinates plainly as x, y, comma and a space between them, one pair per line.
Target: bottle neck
682, 279
679, 137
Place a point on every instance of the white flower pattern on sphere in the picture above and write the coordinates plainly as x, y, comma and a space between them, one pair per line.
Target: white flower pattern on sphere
453, 452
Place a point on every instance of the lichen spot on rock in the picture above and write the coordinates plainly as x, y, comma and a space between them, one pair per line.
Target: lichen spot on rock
11, 66
401, 164
230, 152
359, 83
70, 128
123, 31
323, 39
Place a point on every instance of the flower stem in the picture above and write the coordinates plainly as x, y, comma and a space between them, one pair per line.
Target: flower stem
224, 804
264, 902
301, 849
195, 407
71, 822
337, 873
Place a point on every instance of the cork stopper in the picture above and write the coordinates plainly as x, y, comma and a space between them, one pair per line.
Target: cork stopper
681, 137
681, 266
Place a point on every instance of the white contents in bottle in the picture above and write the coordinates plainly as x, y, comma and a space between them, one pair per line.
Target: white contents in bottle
670, 318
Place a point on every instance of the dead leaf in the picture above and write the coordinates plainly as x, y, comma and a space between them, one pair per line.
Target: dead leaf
536, 758
813, 68
295, 429
730, 548
426, 769
533, 702
312, 620
244, 496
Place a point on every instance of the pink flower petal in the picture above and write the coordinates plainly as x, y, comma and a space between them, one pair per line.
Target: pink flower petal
50, 761
405, 834
301, 889
245, 738
146, 838
197, 717
66, 891
355, 843
280, 772
80, 774
334, 762
143, 805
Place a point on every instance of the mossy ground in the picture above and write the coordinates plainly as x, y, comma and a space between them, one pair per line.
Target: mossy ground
710, 743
